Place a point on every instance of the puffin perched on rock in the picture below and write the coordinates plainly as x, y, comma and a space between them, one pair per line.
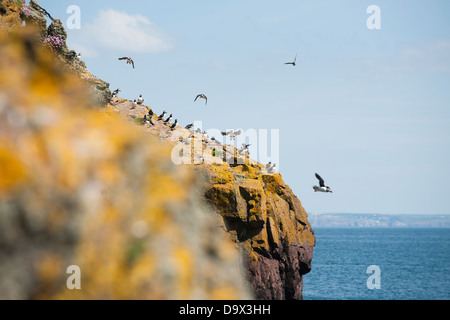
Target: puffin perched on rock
166, 122
115, 93
161, 116
174, 126
323, 187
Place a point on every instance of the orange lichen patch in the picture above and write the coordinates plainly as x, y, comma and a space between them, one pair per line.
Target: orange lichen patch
9, 17
49, 268
260, 212
184, 263
46, 82
12, 170
249, 170
224, 293
102, 193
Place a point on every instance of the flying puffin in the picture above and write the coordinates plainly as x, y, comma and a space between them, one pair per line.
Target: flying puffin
202, 96
129, 60
189, 126
293, 62
233, 134
322, 187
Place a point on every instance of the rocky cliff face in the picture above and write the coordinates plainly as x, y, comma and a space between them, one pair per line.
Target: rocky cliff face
84, 188
35, 16
259, 212
98, 189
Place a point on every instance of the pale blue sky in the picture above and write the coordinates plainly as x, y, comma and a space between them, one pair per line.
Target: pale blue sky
369, 110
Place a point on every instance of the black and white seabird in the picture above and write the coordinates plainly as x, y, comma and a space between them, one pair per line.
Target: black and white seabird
134, 104
202, 96
189, 126
150, 113
145, 120
172, 127
162, 115
168, 119
322, 187
293, 62
129, 60
272, 169
140, 100
116, 92
269, 165
233, 134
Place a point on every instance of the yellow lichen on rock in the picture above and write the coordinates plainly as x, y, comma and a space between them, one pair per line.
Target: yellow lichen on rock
87, 188
267, 220
12, 171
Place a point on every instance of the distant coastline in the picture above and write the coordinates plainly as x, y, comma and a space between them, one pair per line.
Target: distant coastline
355, 220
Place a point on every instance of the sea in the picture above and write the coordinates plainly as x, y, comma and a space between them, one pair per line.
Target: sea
379, 264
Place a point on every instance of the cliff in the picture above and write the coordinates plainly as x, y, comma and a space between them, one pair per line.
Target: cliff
96, 188
78, 188
259, 212
54, 36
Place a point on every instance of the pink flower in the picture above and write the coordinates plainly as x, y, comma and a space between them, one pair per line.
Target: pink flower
24, 9
55, 43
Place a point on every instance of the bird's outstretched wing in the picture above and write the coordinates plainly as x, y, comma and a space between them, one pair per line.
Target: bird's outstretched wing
237, 133
132, 63
123, 58
295, 59
201, 96
225, 133
321, 182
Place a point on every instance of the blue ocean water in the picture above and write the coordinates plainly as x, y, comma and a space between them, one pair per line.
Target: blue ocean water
414, 264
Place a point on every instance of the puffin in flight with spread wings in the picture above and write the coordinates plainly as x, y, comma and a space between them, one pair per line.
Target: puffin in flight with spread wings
202, 96
293, 62
129, 60
323, 187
